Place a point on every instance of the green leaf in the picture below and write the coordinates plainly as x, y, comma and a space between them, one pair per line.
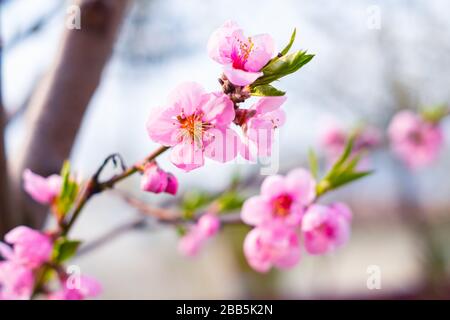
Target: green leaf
436, 113
69, 191
230, 201
289, 45
343, 171
194, 201
349, 177
181, 230
313, 163
266, 90
282, 66
64, 249
336, 168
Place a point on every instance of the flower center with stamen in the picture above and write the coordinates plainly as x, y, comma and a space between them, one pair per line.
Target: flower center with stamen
416, 137
193, 127
241, 53
327, 230
282, 205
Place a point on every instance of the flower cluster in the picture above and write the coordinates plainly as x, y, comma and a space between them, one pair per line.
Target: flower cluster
199, 124
29, 254
284, 209
30, 250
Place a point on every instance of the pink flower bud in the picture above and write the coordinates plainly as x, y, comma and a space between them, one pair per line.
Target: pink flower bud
190, 244
208, 224
206, 227
42, 190
172, 184
154, 179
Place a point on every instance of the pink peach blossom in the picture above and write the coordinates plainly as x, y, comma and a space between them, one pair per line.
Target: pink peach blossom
259, 124
267, 247
334, 139
414, 140
16, 281
206, 227
30, 247
42, 190
88, 288
282, 200
195, 124
156, 180
326, 228
242, 57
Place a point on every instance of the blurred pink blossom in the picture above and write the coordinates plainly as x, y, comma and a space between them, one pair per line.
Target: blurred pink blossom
326, 227
195, 124
334, 139
16, 281
42, 190
156, 180
267, 247
282, 200
206, 227
31, 248
88, 288
414, 140
242, 57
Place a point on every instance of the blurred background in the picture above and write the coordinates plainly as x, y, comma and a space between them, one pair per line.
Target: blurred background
87, 93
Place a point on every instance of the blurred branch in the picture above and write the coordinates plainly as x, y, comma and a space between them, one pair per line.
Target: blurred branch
158, 214
56, 109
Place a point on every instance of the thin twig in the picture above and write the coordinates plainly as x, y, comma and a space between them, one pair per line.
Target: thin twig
94, 186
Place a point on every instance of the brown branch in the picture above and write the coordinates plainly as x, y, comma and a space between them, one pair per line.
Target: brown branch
159, 214
56, 109
94, 186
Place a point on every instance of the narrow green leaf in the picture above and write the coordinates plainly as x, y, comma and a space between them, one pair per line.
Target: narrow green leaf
289, 45
347, 178
313, 163
266, 90
336, 168
278, 68
64, 249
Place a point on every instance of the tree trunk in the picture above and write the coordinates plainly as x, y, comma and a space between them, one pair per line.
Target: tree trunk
57, 107
4, 190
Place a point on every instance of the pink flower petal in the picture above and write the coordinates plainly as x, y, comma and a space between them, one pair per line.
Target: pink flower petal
162, 126
262, 51
268, 104
186, 97
224, 145
301, 183
218, 109
187, 156
240, 77
256, 211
